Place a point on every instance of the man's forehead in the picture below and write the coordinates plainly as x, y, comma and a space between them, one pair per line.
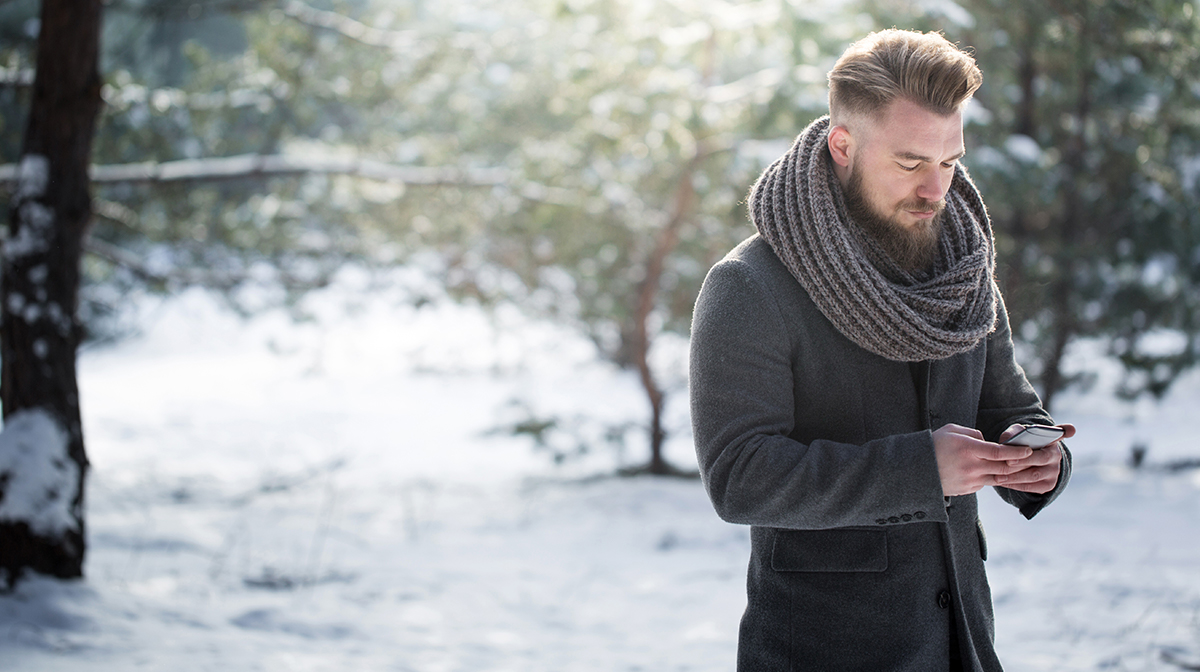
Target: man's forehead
908, 131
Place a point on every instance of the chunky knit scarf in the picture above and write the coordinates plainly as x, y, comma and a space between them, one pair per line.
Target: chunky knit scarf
798, 207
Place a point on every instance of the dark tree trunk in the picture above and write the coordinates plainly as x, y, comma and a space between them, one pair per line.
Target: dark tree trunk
1066, 325
51, 210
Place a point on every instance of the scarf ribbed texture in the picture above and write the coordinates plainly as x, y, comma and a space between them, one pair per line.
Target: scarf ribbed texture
798, 207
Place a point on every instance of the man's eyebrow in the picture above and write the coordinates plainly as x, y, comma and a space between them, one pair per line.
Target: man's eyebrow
913, 156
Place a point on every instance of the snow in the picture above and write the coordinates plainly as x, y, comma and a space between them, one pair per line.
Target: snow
36, 230
35, 219
951, 11
33, 176
37, 478
334, 493
1023, 148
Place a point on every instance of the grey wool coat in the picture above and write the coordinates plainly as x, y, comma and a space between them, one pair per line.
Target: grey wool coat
826, 451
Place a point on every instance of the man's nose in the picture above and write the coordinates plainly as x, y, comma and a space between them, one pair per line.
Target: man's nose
934, 184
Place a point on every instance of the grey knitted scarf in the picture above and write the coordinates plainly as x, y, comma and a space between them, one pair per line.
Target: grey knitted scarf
798, 207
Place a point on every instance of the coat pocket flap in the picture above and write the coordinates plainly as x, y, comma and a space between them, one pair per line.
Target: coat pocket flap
830, 551
982, 539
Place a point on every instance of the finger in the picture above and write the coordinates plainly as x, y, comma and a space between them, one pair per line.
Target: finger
1040, 457
1038, 488
1002, 453
1010, 432
1022, 477
964, 431
1032, 478
1068, 430
1015, 481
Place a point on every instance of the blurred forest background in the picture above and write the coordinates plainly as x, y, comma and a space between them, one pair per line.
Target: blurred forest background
588, 160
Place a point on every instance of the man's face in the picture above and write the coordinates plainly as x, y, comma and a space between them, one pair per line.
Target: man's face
896, 180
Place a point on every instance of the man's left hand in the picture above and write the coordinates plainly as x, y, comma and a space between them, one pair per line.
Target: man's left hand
1039, 471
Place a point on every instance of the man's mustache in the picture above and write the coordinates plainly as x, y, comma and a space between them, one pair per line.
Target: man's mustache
924, 205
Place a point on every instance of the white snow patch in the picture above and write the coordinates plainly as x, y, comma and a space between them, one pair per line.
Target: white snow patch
952, 11
36, 228
37, 477
32, 313
33, 176
39, 273
1162, 343
1189, 174
764, 152
976, 113
1023, 148
1158, 269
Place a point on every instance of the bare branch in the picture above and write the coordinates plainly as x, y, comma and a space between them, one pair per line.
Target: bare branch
396, 40
1170, 657
115, 212
409, 43
119, 256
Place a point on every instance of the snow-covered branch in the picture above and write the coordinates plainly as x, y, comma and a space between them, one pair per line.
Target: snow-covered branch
16, 77
275, 165
161, 99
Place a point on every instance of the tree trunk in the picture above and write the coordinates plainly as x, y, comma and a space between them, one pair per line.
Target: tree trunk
1065, 325
39, 332
668, 238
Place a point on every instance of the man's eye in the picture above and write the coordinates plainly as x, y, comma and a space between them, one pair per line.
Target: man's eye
909, 168
950, 165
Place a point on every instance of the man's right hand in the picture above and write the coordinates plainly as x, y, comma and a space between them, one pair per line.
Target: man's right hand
967, 463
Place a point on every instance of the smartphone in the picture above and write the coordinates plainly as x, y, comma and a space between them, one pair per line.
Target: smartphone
1036, 436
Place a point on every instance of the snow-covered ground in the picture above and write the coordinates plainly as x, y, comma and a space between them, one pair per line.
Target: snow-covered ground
334, 494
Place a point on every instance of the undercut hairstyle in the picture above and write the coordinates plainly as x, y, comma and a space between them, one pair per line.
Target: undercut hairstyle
924, 68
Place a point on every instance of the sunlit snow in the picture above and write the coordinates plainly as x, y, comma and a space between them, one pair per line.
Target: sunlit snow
37, 478
339, 493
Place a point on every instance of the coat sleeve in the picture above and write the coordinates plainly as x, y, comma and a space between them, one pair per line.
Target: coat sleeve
1007, 398
743, 408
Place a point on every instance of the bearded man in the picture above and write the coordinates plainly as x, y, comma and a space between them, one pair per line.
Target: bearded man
853, 380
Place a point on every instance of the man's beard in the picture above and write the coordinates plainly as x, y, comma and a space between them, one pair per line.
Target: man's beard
913, 248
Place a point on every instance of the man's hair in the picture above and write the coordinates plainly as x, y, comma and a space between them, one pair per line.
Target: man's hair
924, 68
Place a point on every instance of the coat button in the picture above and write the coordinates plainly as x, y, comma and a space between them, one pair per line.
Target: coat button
906, 517
881, 521
943, 600
919, 515
893, 519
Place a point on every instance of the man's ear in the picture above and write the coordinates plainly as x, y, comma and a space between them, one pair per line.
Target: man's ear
841, 145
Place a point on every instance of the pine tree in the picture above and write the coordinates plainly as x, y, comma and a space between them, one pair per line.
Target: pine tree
1083, 140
